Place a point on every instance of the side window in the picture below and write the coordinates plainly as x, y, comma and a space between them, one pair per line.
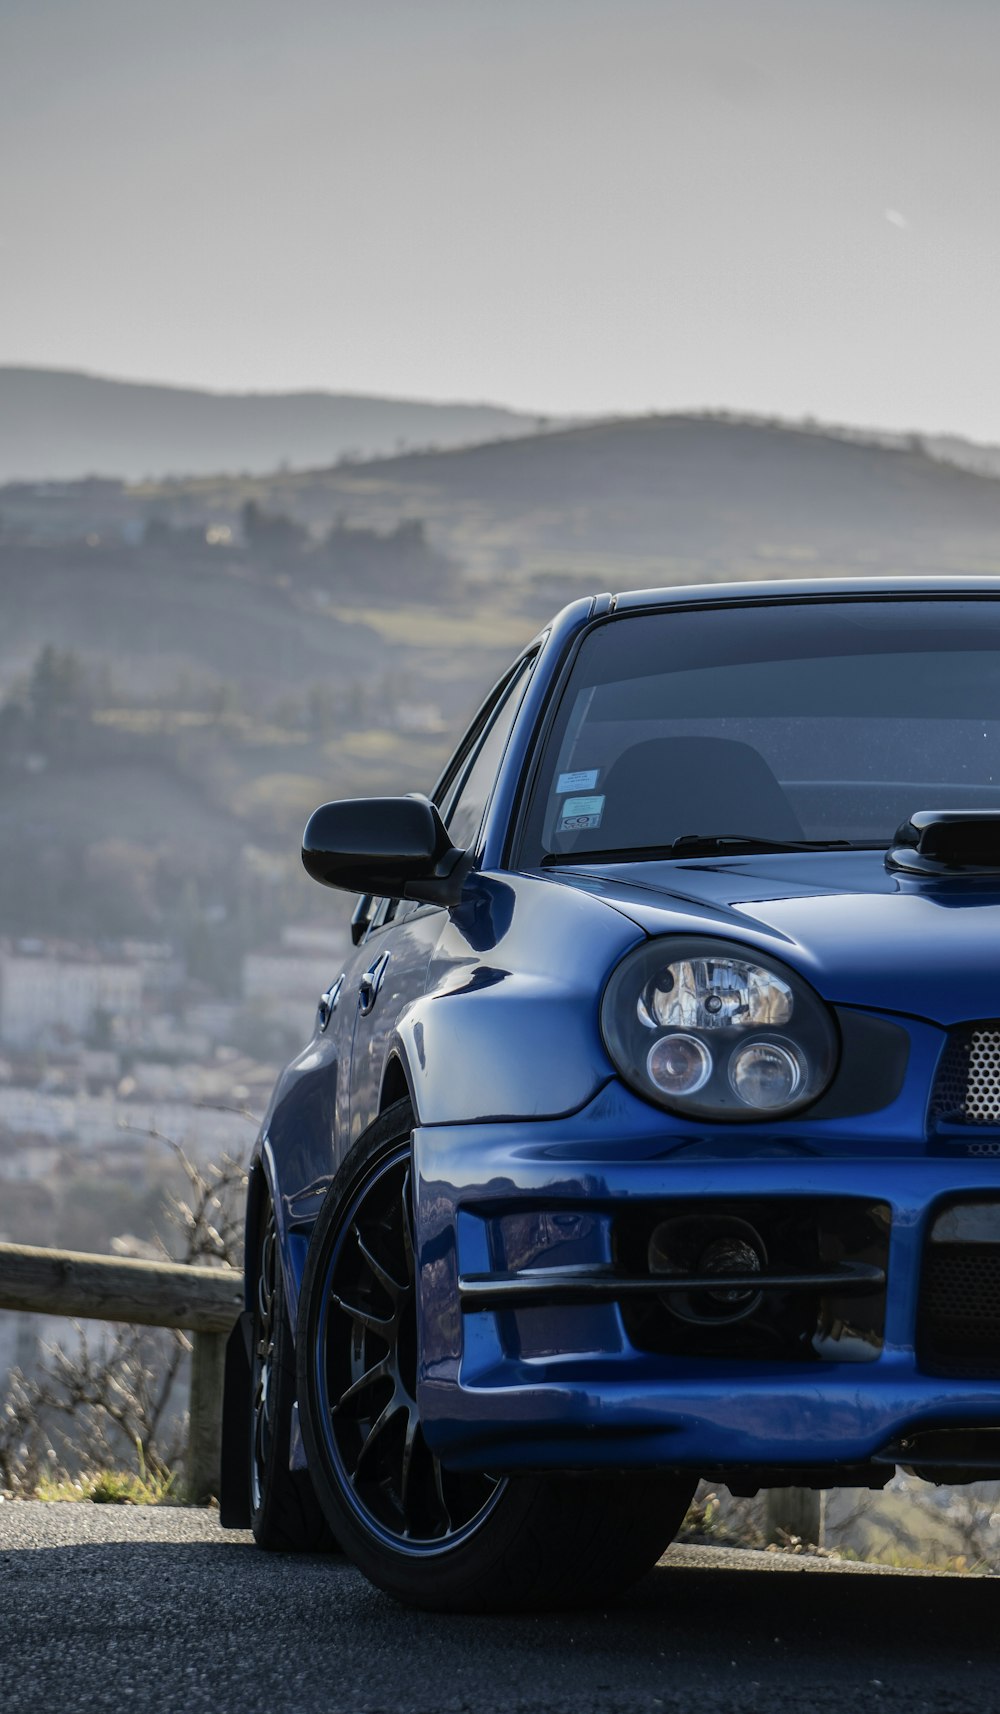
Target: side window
465, 807
384, 915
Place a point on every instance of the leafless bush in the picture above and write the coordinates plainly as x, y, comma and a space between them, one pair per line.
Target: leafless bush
104, 1403
25, 1452
914, 1523
208, 1222
720, 1519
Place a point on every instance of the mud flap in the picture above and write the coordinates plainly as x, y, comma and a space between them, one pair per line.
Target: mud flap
234, 1476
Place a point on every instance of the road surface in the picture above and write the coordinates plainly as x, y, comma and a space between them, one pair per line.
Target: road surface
156, 1609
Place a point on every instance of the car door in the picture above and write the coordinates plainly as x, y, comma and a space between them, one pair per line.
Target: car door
402, 935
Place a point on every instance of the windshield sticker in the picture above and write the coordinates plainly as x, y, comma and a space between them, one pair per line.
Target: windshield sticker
579, 813
583, 781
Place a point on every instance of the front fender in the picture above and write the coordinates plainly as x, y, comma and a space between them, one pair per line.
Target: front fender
509, 1025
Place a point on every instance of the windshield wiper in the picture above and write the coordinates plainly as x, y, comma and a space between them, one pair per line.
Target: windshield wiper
697, 845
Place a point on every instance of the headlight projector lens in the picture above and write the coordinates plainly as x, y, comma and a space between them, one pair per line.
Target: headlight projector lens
765, 1074
679, 1065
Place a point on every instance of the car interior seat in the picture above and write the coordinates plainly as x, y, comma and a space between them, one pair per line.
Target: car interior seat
666, 787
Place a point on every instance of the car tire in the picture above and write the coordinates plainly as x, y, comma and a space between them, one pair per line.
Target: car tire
432, 1537
285, 1515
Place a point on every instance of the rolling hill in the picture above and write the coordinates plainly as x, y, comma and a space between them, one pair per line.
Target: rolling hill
648, 500
62, 425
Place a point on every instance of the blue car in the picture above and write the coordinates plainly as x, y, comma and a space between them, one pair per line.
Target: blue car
652, 1131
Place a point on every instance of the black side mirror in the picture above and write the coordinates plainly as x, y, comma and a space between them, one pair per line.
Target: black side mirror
393, 847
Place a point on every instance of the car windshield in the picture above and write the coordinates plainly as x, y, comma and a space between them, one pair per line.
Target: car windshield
813, 722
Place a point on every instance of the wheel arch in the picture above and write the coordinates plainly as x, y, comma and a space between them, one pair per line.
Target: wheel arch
258, 1190
397, 1084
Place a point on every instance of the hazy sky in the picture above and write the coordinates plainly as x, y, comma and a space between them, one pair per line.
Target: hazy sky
571, 205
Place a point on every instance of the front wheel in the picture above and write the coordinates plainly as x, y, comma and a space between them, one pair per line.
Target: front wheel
434, 1537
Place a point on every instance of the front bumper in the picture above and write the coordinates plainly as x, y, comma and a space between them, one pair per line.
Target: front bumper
562, 1382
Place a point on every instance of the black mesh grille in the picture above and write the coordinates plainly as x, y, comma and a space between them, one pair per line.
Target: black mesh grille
948, 1099
967, 1086
958, 1329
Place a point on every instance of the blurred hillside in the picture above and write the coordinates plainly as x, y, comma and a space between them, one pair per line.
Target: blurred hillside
645, 501
58, 424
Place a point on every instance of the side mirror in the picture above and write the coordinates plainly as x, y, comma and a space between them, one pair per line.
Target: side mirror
393, 847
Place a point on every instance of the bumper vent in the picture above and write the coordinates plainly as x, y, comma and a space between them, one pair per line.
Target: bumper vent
967, 1086
958, 1324
819, 1296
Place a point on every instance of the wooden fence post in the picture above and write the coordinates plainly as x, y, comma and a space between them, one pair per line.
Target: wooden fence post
208, 1363
795, 1511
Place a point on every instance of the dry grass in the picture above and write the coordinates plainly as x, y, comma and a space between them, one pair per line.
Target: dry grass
110, 1488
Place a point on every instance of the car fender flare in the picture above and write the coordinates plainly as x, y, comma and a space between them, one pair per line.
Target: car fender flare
464, 1057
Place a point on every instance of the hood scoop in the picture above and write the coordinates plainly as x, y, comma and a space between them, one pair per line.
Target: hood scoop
948, 842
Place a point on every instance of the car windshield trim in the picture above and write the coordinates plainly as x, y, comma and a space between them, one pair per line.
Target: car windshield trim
698, 845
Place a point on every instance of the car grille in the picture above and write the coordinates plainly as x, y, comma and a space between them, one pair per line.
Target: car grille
967, 1086
958, 1321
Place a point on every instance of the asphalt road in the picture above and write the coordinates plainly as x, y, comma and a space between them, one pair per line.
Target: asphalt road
158, 1609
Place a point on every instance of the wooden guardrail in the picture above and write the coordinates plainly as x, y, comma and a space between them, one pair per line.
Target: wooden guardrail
794, 1512
202, 1301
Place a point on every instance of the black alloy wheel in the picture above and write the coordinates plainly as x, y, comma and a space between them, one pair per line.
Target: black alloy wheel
367, 1379
284, 1512
432, 1536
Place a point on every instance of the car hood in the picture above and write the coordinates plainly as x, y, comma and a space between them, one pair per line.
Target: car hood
862, 935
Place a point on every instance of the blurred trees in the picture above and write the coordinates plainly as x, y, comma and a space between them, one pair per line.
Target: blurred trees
272, 534
350, 558
50, 712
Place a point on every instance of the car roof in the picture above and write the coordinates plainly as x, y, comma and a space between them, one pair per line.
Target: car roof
799, 589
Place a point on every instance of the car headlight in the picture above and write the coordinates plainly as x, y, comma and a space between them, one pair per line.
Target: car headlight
717, 1031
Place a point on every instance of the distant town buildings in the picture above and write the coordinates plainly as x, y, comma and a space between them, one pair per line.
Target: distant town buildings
97, 1040
110, 1051
59, 996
